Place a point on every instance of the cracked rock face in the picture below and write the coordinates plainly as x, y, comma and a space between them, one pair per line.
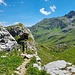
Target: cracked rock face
7, 42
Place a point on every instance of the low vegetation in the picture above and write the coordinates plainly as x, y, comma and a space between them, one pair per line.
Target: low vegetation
32, 70
9, 62
48, 56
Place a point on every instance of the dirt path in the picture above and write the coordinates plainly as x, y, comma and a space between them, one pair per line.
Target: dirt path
22, 69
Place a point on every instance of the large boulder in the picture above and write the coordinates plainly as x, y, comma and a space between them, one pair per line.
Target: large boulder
59, 67
7, 42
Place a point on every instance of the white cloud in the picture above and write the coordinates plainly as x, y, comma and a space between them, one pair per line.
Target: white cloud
1, 11
44, 12
3, 23
53, 8
15, 23
3, 2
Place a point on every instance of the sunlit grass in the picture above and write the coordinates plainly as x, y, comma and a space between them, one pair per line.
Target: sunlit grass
47, 56
9, 63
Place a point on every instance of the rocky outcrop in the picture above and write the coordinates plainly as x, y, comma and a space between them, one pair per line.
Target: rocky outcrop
70, 14
18, 30
7, 42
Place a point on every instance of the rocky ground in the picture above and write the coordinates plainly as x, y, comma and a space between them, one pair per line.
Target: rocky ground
21, 70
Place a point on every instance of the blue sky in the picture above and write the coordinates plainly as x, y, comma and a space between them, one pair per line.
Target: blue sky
29, 12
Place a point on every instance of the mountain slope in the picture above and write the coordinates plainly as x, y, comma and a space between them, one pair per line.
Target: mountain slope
55, 31
56, 38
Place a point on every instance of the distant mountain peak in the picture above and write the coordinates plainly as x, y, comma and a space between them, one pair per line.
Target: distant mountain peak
70, 14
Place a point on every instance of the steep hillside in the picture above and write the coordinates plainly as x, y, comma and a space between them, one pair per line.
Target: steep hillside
55, 31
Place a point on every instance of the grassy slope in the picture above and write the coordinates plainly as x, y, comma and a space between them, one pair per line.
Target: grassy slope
52, 37
49, 31
9, 64
67, 55
42, 36
47, 56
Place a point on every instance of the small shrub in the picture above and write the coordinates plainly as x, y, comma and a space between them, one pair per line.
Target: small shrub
44, 73
33, 71
28, 51
30, 64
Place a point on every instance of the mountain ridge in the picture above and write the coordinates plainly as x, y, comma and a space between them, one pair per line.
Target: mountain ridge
70, 14
55, 31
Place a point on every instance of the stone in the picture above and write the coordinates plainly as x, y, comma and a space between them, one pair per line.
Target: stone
37, 66
28, 56
38, 58
17, 72
7, 41
3, 56
18, 68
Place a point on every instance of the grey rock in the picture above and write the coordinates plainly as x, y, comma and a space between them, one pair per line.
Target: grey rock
37, 66
7, 42
59, 68
18, 30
